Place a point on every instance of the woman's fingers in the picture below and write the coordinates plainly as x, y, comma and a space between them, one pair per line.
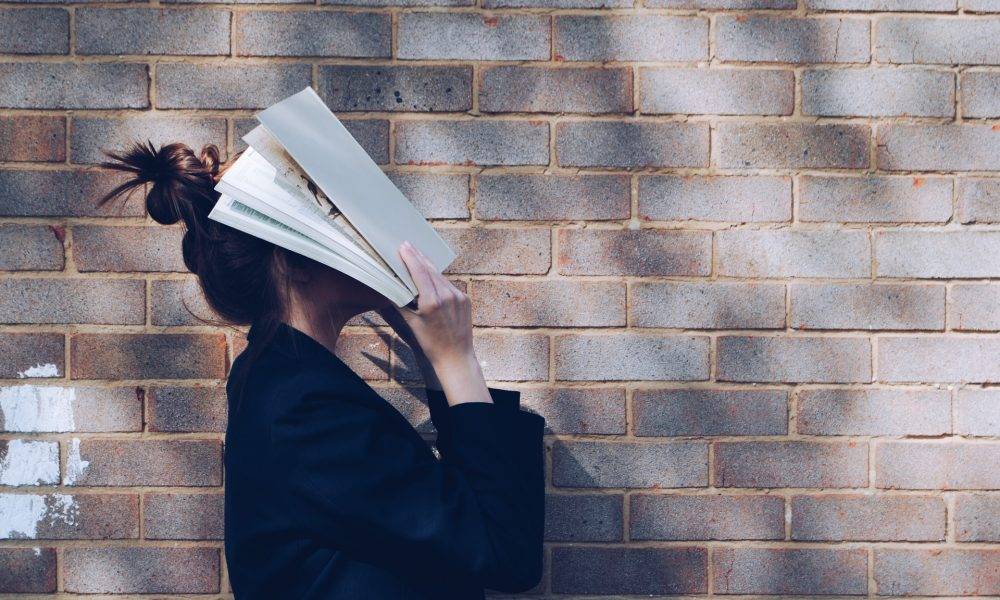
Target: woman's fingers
421, 274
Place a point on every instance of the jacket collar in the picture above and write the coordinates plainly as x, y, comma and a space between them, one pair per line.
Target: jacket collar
291, 342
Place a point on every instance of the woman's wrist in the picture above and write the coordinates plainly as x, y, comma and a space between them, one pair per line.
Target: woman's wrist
462, 380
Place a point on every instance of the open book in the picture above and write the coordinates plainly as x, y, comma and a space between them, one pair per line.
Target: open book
305, 184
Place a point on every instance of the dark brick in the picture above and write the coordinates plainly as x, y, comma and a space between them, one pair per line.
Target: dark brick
148, 356
183, 516
791, 145
180, 302
32, 139
578, 410
633, 144
73, 85
153, 248
28, 570
312, 33
791, 464
702, 412
184, 409
90, 135
498, 251
634, 252
633, 465
100, 301
65, 193
142, 570
794, 359
32, 355
34, 31
184, 85
135, 462
152, 31
715, 517
583, 518
595, 570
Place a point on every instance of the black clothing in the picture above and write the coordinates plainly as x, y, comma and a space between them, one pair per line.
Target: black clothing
331, 493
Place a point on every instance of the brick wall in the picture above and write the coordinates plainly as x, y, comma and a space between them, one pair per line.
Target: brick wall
740, 253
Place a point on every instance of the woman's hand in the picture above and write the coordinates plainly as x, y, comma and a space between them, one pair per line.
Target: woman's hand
395, 320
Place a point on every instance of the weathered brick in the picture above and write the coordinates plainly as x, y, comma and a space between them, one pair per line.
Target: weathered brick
631, 356
513, 357
715, 198
715, 517
937, 41
203, 85
64, 193
938, 358
975, 307
717, 91
978, 200
977, 412
73, 85
29, 462
153, 248
795, 359
70, 517
468, 142
791, 145
495, 251
187, 409
873, 412
578, 410
405, 3
436, 196
471, 36
878, 92
31, 247
583, 518
977, 517
647, 37
635, 252
938, 254
28, 570
937, 572
312, 33
152, 31
801, 40
827, 571
44, 408
104, 301
646, 571
867, 306
884, 5
148, 356
545, 303
880, 518
789, 253
395, 88
703, 412
34, 31
516, 197
937, 465
32, 139
708, 305
90, 135
182, 516
791, 464
141, 570
967, 147
559, 90
875, 199
557, 3
981, 94
180, 302
632, 144
136, 462
615, 465
32, 355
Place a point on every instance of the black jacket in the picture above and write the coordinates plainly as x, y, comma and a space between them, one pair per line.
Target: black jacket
331, 493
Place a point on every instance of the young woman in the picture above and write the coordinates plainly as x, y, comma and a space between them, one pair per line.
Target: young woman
330, 493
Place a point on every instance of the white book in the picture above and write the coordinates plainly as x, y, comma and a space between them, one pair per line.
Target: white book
305, 184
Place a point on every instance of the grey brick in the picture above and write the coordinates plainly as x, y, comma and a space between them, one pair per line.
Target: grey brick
152, 31
631, 357
791, 145
968, 147
102, 301
156, 570
186, 409
583, 518
802, 40
782, 464
867, 306
617, 570
69, 85
715, 517
634, 465
578, 410
34, 31
179, 302
469, 142
981, 94
875, 199
977, 412
559, 90
183, 85
31, 248
937, 40
715, 198
975, 307
878, 92
649, 37
312, 33
784, 253
794, 359
56, 193
705, 412
707, 91
938, 359
32, 355
436, 196
89, 135
153, 248
884, 5
978, 200
634, 252
514, 197
938, 254
183, 516
472, 36
792, 571
499, 251
977, 517
396, 88
937, 465
835, 411
404, 3
558, 3
632, 144
837, 517
32, 138
721, 4
707, 305
548, 303
28, 570
937, 572
371, 134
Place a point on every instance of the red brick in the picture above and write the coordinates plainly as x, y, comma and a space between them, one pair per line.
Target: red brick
71, 517
41, 408
578, 410
142, 570
31, 247
32, 138
701, 412
496, 251
937, 572
583, 518
180, 302
639, 253
183, 516
153, 248
715, 517
28, 570
148, 356
937, 465
32, 355
826, 571
645, 571
135, 462
878, 518
183, 409
839, 411
783, 464
47, 300
547, 303
977, 517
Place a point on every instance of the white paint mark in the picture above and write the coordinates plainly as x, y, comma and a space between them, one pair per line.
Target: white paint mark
38, 551
75, 466
22, 514
30, 463
31, 408
40, 370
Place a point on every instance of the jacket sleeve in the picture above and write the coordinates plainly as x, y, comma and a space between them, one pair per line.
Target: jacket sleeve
368, 486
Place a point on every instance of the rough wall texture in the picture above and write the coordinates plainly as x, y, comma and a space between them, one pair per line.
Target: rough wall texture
740, 253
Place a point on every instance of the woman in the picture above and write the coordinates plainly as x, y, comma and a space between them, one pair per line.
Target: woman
330, 493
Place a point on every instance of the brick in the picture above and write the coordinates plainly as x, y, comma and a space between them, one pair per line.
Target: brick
32, 139
974, 307
29, 462
395, 88
937, 572
152, 31
704, 412
791, 145
559, 90
471, 36
631, 357
405, 3
635, 252
34, 31
967, 147
980, 94
578, 410
978, 200
182, 516
837, 517
184, 85
618, 465
517, 197
312, 33
31, 248
884, 5
373, 136
867, 306
649, 37
878, 92
875, 199
141, 570
102, 301
90, 135
927, 254
583, 518
802, 40
873, 412
367, 354
182, 409
436, 196
633, 144
715, 198
937, 465
977, 412
977, 517
73, 85
148, 356
45, 408
498, 251
472, 142
70, 517
31, 355
557, 3
596, 570
411, 402
507, 357
938, 358
137, 462
715, 517
782, 464
28, 570
937, 41
707, 305
795, 359
790, 253
984, 6
547, 303
180, 302
64, 193
717, 91
138, 248
826, 571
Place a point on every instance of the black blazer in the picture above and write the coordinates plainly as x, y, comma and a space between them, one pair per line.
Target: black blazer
331, 493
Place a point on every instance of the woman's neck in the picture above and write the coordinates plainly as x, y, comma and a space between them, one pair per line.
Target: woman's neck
322, 325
